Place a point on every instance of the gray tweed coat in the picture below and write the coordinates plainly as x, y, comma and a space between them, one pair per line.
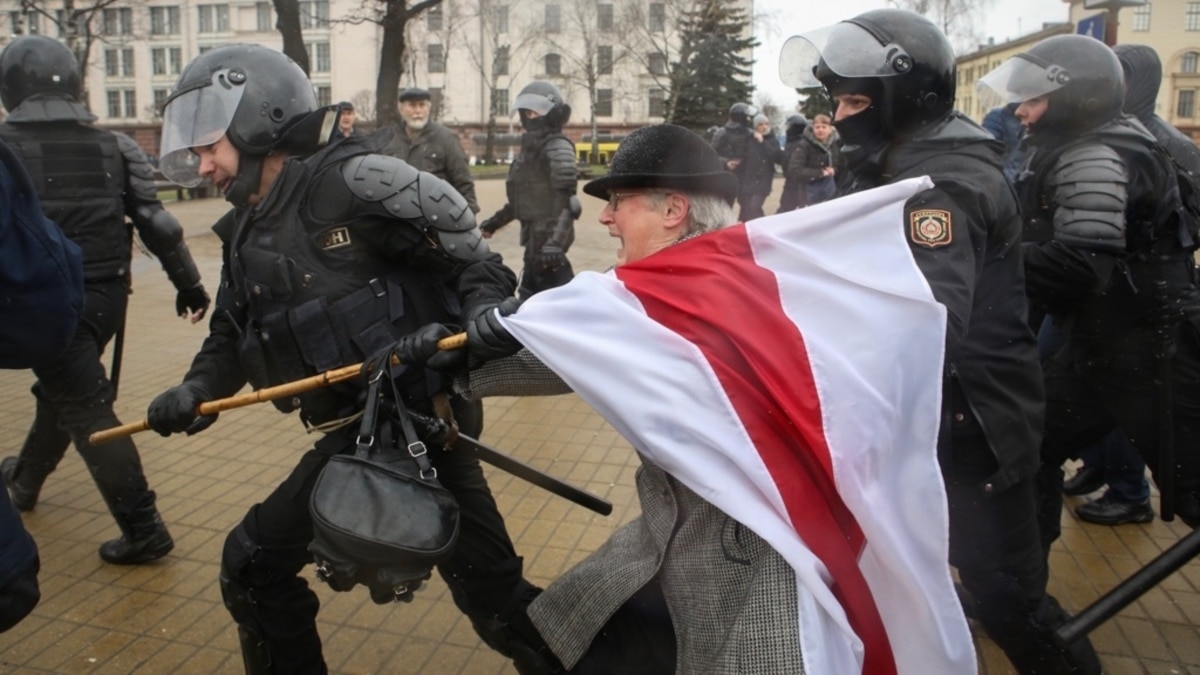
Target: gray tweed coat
732, 597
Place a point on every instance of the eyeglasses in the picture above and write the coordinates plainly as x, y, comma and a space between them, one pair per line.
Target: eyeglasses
614, 198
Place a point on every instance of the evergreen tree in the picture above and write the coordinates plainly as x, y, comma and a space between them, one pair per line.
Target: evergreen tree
816, 102
713, 70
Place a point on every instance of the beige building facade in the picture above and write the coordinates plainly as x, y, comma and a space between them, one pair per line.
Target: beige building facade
474, 55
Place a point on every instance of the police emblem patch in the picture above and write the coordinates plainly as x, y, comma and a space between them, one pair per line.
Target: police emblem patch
335, 238
930, 227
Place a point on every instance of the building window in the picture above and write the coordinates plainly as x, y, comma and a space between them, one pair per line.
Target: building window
1186, 105
212, 18
657, 63
1187, 63
314, 14
604, 60
1141, 18
437, 59
264, 15
160, 100
164, 21
500, 17
1193, 16
604, 16
500, 62
604, 99
324, 95
500, 102
318, 56
166, 60
24, 24
553, 64
553, 19
433, 18
658, 102
658, 17
118, 21
118, 62
122, 103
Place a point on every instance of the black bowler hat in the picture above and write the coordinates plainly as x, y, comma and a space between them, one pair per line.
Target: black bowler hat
415, 94
666, 156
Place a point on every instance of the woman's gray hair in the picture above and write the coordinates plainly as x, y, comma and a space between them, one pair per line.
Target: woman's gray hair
706, 213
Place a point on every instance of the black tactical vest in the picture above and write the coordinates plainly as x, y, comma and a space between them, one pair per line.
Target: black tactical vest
534, 200
316, 297
79, 174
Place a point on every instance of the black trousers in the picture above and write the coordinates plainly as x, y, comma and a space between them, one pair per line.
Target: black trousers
995, 545
1086, 402
536, 278
266, 553
75, 399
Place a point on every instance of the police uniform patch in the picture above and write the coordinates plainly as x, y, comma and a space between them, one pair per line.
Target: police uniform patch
335, 238
930, 227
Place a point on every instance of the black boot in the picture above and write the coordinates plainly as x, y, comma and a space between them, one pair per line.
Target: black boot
144, 537
23, 490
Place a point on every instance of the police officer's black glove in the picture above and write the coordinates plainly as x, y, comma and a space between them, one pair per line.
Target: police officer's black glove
174, 410
192, 300
486, 337
421, 348
552, 257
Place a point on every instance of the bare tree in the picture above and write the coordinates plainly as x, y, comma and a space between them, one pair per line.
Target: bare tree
443, 25
80, 25
500, 49
287, 22
650, 34
958, 19
582, 52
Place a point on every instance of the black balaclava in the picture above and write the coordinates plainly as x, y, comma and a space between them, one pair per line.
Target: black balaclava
863, 135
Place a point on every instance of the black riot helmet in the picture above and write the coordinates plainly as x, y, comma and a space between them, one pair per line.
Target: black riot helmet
37, 65
743, 114
256, 97
895, 54
547, 101
1081, 77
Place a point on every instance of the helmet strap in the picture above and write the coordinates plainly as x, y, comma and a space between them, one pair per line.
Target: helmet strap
247, 181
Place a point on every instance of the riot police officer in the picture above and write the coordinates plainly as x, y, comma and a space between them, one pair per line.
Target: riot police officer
732, 143
891, 74
541, 190
1109, 257
332, 251
89, 180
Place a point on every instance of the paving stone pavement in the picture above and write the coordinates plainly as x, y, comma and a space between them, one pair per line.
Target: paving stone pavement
167, 616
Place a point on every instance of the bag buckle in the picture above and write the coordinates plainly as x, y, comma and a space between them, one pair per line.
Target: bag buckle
416, 449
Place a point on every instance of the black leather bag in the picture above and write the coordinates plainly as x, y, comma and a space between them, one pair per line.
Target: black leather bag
380, 516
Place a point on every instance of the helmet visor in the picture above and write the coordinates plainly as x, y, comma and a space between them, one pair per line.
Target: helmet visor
535, 102
847, 49
1020, 79
195, 118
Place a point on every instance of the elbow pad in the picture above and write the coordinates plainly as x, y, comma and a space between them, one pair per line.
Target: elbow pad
1090, 194
163, 235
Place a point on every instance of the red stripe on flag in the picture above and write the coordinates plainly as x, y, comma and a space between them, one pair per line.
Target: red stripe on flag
711, 292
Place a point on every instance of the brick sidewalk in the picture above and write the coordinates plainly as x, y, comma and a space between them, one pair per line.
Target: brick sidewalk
168, 617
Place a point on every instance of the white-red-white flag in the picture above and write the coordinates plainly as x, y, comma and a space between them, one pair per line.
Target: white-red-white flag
789, 371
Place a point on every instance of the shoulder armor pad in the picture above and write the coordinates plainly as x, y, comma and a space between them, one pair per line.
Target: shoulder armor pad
1090, 191
419, 198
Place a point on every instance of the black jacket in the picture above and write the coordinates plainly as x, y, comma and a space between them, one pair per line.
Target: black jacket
965, 235
436, 149
758, 169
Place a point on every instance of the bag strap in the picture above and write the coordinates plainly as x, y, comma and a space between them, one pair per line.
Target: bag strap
371, 422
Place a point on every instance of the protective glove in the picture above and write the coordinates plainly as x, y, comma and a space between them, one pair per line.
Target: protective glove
552, 257
193, 300
489, 226
486, 337
174, 410
420, 348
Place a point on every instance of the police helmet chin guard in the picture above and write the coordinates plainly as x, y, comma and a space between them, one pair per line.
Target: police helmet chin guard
256, 97
1081, 77
38, 65
910, 58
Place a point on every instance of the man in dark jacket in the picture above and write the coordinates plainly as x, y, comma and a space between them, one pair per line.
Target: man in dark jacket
431, 146
541, 190
89, 180
331, 253
793, 189
763, 154
41, 282
894, 114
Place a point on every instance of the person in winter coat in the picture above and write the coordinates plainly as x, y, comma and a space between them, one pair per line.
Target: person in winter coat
813, 163
763, 153
793, 189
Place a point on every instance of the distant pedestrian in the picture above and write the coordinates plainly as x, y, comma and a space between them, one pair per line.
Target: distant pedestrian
812, 163
345, 127
431, 146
